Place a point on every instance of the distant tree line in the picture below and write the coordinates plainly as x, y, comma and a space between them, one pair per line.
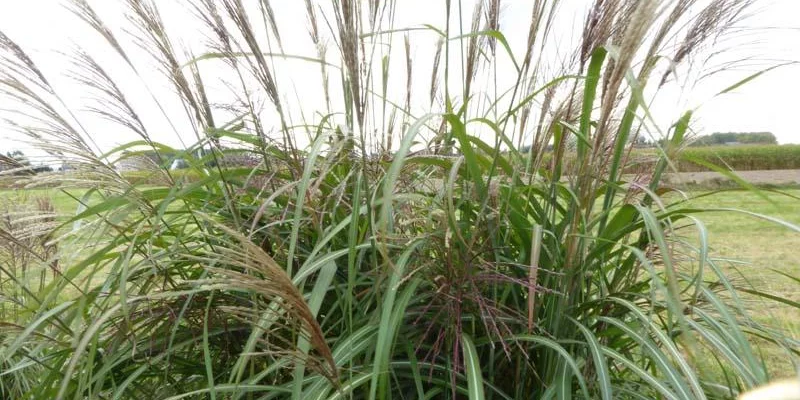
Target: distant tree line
717, 139
723, 138
17, 160
714, 139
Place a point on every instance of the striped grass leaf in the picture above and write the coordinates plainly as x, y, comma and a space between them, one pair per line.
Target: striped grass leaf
473, 369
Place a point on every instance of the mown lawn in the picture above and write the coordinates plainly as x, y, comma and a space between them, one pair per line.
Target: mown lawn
759, 247
65, 205
65, 202
755, 252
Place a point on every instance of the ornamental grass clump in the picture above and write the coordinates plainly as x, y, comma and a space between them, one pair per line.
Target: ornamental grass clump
386, 237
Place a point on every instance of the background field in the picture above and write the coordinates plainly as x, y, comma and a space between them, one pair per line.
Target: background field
714, 158
752, 248
740, 158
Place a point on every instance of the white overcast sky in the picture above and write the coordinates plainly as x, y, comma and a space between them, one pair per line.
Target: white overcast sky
771, 103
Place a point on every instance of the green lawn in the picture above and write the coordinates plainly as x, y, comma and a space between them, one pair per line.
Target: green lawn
64, 202
758, 249
759, 246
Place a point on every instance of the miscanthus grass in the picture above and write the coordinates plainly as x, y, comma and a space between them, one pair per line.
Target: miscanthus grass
380, 235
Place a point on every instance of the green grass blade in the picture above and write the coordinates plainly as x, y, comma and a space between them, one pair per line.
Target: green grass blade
589, 96
207, 352
386, 330
473, 369
600, 364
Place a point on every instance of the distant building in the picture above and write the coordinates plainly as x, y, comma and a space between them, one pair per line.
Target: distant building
178, 163
65, 167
